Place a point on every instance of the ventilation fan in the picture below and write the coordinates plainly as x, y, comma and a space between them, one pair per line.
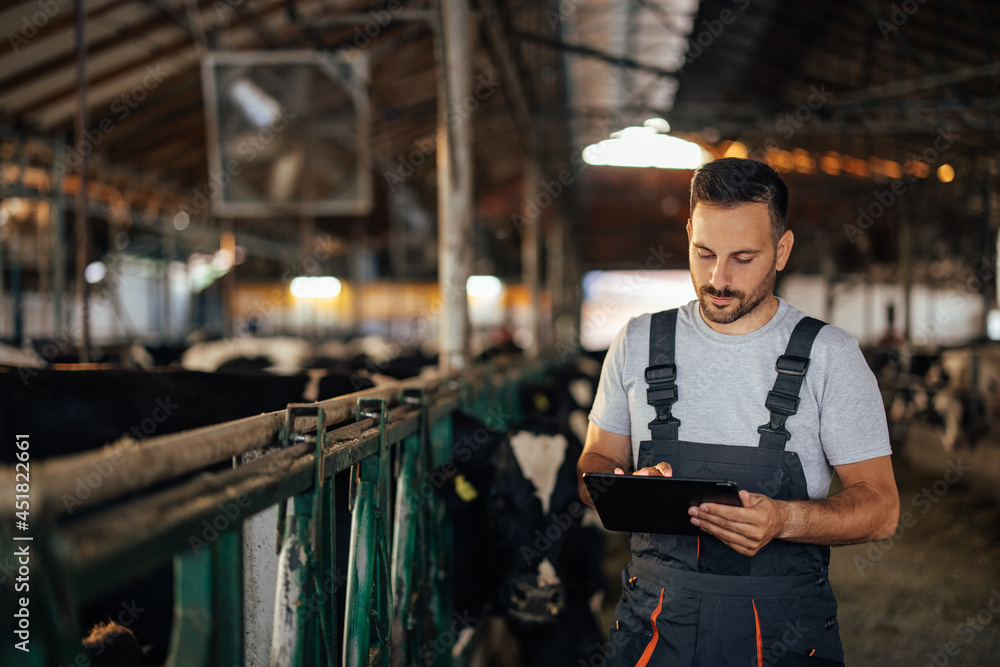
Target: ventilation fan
288, 133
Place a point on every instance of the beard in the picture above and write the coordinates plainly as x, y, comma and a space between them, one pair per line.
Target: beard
744, 303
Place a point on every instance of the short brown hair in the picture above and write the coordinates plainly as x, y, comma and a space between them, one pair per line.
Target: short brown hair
731, 181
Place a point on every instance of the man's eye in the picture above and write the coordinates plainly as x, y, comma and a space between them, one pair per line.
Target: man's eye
743, 261
706, 256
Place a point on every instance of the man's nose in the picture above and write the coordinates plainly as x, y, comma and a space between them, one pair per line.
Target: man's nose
720, 275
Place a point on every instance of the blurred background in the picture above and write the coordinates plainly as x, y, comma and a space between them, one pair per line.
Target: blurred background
440, 179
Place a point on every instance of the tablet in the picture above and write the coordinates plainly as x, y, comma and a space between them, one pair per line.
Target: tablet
655, 504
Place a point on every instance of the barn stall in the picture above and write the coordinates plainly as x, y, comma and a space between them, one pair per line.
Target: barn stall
429, 180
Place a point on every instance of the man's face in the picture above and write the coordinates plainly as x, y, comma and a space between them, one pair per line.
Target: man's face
734, 260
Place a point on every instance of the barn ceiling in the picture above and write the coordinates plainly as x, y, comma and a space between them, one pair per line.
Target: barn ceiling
844, 96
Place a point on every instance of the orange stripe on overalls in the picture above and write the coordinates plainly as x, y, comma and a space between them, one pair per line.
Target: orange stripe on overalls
760, 641
648, 653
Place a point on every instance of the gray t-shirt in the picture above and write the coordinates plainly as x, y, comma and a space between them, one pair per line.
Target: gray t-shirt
723, 382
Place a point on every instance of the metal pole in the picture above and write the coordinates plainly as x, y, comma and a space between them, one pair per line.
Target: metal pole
987, 233
228, 244
906, 273
556, 278
58, 239
454, 173
81, 195
43, 216
15, 251
356, 275
16, 291
169, 250
530, 241
3, 294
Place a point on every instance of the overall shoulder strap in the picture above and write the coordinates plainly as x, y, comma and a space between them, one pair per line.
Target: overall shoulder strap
661, 374
783, 399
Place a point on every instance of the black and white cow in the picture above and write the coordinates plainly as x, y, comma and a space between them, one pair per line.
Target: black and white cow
525, 554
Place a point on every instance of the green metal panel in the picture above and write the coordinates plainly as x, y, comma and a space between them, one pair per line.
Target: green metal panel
192, 629
361, 569
307, 550
407, 561
369, 589
227, 598
440, 542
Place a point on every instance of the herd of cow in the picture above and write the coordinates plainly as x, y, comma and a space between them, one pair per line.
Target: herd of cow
957, 390
527, 554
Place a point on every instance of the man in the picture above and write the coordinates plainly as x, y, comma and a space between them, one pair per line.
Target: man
699, 396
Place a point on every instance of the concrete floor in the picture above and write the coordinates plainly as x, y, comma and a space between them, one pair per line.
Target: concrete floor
931, 594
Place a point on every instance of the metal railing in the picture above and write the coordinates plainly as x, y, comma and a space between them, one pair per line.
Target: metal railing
100, 518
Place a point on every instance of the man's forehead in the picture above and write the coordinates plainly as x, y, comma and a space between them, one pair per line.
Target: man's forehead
749, 210
743, 219
720, 229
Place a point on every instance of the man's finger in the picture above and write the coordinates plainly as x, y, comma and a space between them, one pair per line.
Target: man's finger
717, 513
731, 538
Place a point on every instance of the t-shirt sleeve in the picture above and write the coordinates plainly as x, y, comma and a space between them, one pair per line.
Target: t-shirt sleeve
852, 418
610, 410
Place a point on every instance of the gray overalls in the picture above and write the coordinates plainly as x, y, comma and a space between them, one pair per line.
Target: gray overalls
693, 601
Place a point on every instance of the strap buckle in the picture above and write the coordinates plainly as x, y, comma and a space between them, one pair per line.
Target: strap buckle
666, 395
788, 364
776, 429
782, 404
661, 373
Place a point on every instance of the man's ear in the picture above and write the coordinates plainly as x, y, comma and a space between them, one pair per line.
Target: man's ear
784, 249
689, 230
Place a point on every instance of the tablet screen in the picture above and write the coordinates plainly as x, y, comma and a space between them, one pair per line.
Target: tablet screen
652, 504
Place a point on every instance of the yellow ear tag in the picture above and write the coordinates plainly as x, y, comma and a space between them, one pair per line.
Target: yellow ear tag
464, 489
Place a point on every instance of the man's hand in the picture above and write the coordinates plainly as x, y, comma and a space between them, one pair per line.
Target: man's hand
866, 510
745, 529
602, 452
661, 469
